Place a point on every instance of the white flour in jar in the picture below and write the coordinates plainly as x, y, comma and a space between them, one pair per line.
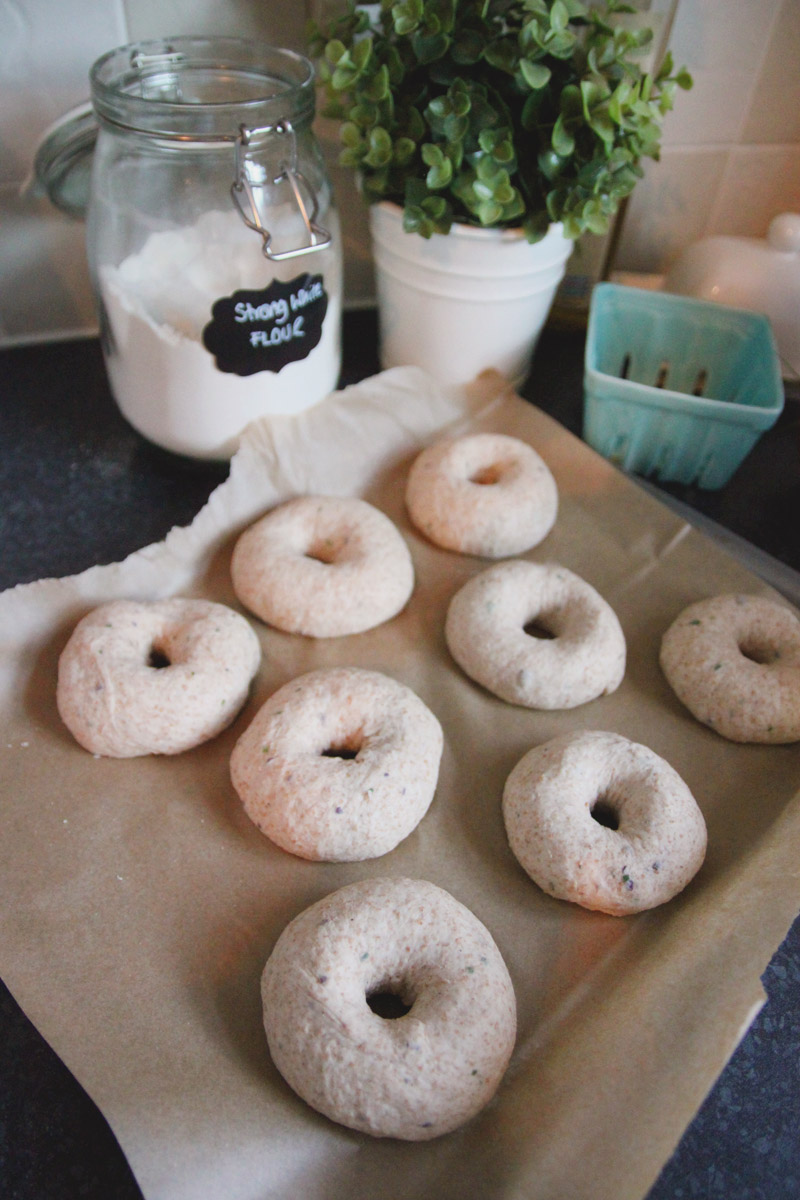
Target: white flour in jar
157, 303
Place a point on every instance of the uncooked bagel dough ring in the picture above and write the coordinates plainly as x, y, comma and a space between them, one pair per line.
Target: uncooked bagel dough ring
339, 765
155, 678
323, 566
581, 651
734, 661
603, 822
419, 1075
486, 494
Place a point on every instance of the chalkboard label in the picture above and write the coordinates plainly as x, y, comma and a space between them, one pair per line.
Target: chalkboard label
265, 330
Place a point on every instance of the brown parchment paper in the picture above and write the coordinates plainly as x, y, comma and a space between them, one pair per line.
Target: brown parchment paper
139, 904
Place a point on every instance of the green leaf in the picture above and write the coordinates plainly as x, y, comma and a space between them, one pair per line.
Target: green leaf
562, 141
531, 111
425, 214
595, 219
361, 54
429, 48
440, 176
413, 124
364, 115
350, 158
559, 16
498, 144
538, 7
334, 51
486, 169
380, 148
666, 68
394, 65
406, 16
573, 227
435, 206
571, 104
551, 164
375, 183
455, 127
618, 102
560, 45
460, 100
379, 87
601, 123
591, 174
403, 151
592, 94
535, 74
502, 55
432, 155
441, 169
536, 226
350, 134
531, 37
504, 193
415, 192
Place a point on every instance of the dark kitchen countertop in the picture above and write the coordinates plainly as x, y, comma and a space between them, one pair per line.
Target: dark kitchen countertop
79, 487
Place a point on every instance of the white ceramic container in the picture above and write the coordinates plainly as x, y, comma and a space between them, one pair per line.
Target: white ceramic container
762, 274
460, 303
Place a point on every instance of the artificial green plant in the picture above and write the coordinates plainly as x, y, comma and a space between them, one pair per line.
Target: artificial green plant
494, 112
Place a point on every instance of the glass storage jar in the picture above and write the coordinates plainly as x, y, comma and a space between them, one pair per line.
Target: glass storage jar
213, 242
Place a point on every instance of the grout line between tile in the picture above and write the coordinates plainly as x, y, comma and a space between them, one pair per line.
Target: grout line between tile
124, 23
771, 26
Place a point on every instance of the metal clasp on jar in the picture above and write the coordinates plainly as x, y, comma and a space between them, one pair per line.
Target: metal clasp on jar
243, 191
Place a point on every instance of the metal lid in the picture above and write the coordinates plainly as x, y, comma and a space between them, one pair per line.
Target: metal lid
63, 161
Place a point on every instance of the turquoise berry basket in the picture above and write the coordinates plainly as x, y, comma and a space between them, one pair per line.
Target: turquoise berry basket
648, 355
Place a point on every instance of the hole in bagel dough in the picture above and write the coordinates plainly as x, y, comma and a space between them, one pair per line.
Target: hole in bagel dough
387, 1004
325, 549
341, 752
486, 476
604, 811
157, 659
539, 627
759, 651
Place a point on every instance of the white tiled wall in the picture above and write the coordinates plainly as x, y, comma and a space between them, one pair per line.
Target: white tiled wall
731, 150
43, 286
730, 162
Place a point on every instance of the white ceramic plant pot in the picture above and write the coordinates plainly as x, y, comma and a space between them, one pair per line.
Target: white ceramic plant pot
459, 303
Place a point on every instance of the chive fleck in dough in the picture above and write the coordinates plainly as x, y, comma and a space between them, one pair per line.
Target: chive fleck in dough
604, 822
734, 661
323, 566
486, 494
339, 765
415, 1076
155, 678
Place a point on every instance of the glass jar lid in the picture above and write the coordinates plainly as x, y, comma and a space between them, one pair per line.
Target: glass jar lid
176, 87
201, 87
62, 163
